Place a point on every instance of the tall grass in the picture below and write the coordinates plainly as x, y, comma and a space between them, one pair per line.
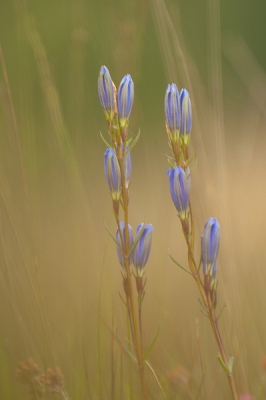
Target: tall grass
59, 277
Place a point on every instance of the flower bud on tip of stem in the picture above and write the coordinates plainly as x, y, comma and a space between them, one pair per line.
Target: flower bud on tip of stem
107, 93
125, 98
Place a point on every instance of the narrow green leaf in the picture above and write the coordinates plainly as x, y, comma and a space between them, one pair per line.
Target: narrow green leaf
118, 245
170, 161
123, 301
195, 163
223, 364
157, 379
205, 314
105, 141
180, 266
220, 313
152, 344
230, 364
203, 306
133, 144
125, 348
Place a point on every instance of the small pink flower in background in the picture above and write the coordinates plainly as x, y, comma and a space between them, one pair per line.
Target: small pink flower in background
246, 396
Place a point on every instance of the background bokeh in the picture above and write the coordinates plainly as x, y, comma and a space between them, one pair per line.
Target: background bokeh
59, 276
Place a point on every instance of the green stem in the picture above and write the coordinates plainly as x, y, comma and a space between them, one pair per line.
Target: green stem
219, 341
208, 304
129, 290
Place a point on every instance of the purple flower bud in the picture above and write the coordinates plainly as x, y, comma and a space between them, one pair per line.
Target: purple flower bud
209, 247
106, 92
172, 109
186, 115
179, 182
120, 254
112, 173
142, 249
125, 98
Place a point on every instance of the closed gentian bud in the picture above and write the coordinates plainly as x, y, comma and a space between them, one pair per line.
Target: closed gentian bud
125, 98
112, 173
209, 247
107, 93
121, 256
142, 249
179, 182
172, 111
186, 115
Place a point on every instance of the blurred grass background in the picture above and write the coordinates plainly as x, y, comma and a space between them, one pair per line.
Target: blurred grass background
59, 276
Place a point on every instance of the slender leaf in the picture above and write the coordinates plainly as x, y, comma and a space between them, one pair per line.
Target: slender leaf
180, 266
152, 344
225, 368
105, 141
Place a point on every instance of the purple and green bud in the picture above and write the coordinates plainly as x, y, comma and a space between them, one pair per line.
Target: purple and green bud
179, 182
120, 254
125, 98
107, 93
142, 249
112, 173
172, 111
209, 247
186, 115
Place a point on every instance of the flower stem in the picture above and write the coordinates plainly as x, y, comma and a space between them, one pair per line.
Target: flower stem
207, 302
135, 328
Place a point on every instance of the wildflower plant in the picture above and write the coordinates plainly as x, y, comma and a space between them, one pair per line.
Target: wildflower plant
178, 118
117, 106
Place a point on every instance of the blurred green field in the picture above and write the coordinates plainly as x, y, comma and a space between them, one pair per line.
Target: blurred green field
59, 275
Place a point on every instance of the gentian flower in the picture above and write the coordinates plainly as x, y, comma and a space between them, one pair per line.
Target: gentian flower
186, 115
179, 182
120, 255
209, 247
106, 92
172, 110
112, 173
142, 249
125, 98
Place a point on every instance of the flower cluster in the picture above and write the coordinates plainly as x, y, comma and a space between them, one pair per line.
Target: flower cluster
178, 117
117, 106
139, 249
